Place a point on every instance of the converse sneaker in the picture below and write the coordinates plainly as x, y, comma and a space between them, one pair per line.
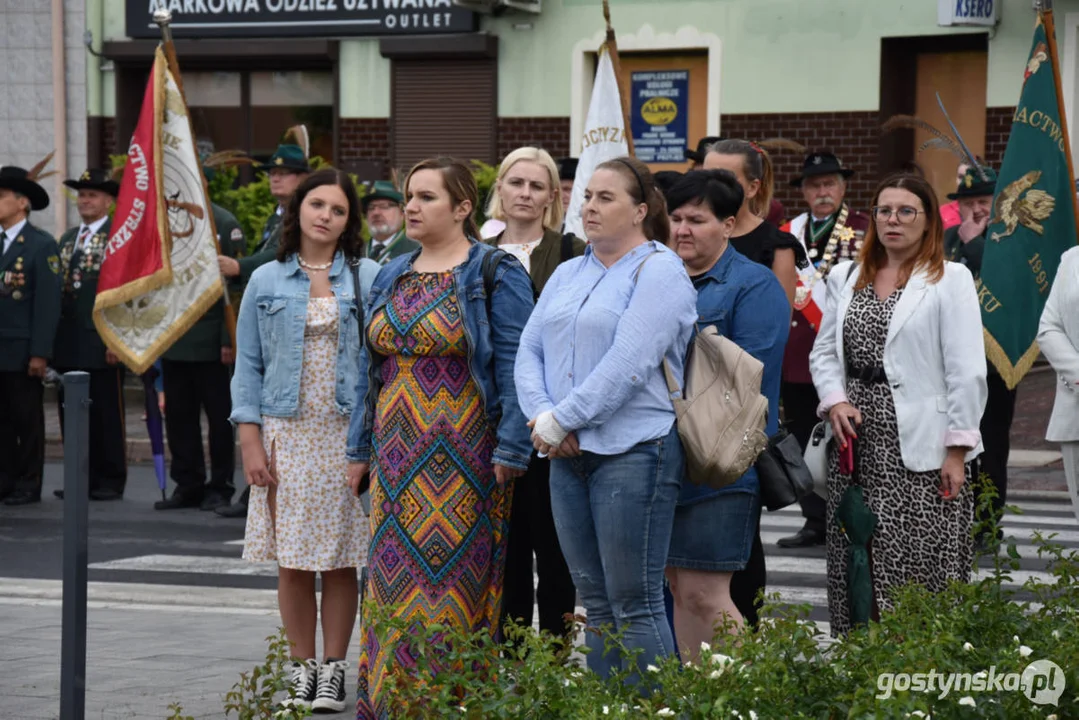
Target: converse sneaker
330, 695
302, 678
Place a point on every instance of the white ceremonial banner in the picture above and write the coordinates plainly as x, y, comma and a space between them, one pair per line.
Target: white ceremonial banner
604, 137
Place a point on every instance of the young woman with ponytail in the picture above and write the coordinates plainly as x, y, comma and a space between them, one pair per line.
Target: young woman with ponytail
759, 241
438, 425
589, 376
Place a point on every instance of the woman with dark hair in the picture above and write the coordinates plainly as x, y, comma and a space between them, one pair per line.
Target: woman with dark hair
292, 394
589, 376
899, 365
438, 425
758, 240
715, 530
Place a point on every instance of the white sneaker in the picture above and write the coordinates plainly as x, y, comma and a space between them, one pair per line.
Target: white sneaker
302, 679
330, 694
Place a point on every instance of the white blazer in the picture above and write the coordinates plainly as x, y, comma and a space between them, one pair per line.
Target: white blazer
1058, 336
934, 357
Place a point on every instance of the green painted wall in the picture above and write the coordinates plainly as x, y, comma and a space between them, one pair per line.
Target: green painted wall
777, 55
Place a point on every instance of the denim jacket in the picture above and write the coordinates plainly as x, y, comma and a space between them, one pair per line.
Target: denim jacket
748, 306
269, 339
492, 350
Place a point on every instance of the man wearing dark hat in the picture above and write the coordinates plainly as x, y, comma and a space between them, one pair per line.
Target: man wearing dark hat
29, 311
287, 168
79, 347
383, 208
567, 173
965, 243
196, 371
831, 232
696, 156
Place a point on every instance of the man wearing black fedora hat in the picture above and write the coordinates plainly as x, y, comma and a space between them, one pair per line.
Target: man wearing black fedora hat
29, 311
286, 168
965, 243
78, 345
830, 231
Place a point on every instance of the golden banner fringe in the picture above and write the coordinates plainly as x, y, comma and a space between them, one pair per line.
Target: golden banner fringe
1012, 374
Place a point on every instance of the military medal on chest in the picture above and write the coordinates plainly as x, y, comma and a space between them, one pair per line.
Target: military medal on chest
17, 279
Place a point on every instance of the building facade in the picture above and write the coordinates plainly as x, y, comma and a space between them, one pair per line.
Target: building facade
383, 83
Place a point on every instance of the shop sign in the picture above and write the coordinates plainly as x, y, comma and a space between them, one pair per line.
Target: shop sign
659, 115
299, 18
968, 12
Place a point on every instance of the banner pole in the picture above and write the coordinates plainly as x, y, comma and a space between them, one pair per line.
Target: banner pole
611, 43
1046, 10
163, 18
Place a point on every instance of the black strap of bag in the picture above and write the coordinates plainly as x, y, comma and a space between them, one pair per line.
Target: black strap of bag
566, 251
357, 299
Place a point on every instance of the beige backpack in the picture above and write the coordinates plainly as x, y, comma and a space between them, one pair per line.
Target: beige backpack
722, 414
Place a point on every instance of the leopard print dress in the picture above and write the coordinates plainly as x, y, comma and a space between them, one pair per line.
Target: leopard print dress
920, 537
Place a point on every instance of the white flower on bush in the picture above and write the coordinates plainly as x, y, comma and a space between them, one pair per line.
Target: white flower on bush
917, 714
721, 659
665, 712
1015, 639
606, 710
1024, 651
967, 646
714, 674
1056, 636
652, 668
967, 700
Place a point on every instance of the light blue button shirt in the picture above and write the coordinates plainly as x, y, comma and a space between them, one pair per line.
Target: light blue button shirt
593, 348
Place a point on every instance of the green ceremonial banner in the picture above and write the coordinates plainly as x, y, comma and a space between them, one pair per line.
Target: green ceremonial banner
1034, 215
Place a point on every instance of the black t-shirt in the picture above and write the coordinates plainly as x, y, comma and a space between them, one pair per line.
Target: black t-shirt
760, 245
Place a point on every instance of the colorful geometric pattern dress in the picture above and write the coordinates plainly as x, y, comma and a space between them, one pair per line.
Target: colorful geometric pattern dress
438, 517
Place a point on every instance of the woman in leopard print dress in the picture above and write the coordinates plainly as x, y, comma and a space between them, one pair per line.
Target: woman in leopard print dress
899, 365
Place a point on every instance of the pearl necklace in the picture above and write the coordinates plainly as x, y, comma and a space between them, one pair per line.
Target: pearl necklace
309, 266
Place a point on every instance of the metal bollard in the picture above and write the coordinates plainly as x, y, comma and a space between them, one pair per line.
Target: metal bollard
76, 501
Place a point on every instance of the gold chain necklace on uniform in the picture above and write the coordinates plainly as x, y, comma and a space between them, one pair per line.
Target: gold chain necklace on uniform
840, 233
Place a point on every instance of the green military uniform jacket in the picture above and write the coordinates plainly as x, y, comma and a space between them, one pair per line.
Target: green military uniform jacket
969, 254
29, 298
78, 346
203, 342
398, 245
266, 250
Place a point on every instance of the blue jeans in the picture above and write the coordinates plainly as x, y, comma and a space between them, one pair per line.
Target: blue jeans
614, 515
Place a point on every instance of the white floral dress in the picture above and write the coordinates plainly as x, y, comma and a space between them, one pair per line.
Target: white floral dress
310, 520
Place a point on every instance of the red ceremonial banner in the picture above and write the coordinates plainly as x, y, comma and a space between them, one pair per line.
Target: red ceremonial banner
136, 257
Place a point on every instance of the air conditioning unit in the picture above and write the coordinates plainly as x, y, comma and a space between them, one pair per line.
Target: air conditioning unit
497, 7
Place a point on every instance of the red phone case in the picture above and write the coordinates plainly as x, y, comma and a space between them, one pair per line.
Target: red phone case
846, 459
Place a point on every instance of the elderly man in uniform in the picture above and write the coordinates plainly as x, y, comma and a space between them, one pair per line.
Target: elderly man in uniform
78, 345
287, 168
831, 232
965, 243
196, 371
29, 312
384, 209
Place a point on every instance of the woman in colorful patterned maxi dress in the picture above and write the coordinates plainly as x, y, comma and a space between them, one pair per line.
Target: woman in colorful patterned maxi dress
440, 427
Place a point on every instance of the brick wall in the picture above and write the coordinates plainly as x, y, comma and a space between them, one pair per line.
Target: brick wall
112, 143
549, 133
853, 136
998, 124
365, 139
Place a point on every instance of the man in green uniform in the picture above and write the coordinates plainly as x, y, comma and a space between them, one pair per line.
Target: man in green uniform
384, 209
965, 243
196, 372
287, 168
29, 311
79, 347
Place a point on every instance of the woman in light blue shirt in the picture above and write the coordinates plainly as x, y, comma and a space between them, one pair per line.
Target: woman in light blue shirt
589, 375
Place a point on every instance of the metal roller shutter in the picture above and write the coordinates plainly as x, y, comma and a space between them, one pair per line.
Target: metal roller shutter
444, 107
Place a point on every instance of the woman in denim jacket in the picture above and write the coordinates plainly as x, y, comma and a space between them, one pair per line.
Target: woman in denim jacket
714, 530
297, 364
438, 425
589, 376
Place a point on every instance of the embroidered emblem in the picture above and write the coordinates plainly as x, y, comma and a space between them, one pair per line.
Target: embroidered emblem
54, 264
1020, 203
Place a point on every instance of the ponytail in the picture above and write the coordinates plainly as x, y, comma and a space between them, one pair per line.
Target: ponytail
756, 165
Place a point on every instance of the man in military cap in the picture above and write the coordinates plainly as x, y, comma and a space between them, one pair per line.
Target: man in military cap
29, 311
384, 209
831, 232
79, 347
287, 168
965, 243
196, 372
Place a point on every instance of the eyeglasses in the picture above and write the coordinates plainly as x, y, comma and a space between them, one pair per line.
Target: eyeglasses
905, 214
